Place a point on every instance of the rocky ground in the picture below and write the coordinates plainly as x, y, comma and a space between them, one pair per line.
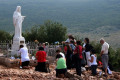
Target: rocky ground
25, 74
30, 74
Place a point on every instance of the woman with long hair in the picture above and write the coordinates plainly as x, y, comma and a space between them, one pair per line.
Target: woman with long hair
88, 47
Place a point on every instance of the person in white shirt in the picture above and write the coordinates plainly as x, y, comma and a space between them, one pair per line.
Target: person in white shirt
24, 57
70, 37
93, 61
104, 54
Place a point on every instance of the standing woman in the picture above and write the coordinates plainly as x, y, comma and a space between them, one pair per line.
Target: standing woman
69, 57
41, 59
78, 53
88, 47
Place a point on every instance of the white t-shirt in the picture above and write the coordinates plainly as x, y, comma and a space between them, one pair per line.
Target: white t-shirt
105, 48
68, 40
94, 60
62, 54
84, 46
24, 54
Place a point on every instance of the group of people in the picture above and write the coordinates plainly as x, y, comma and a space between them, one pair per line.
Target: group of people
79, 55
75, 56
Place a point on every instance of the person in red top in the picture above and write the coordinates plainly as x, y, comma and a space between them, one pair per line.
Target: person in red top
65, 47
78, 54
41, 59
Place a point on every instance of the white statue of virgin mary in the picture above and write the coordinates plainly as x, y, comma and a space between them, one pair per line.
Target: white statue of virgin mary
17, 21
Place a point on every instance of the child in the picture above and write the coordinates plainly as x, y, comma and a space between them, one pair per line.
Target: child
93, 61
61, 66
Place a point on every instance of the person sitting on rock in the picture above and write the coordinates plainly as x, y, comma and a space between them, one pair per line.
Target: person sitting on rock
41, 59
24, 57
61, 68
93, 61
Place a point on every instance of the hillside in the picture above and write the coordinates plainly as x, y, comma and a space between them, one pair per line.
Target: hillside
111, 35
80, 14
86, 17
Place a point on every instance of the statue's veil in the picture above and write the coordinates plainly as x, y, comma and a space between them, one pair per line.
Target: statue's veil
15, 15
18, 9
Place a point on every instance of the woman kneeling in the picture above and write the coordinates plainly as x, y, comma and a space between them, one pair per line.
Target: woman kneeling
41, 58
61, 68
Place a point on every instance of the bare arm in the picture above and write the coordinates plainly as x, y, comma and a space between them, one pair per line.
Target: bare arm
101, 53
91, 59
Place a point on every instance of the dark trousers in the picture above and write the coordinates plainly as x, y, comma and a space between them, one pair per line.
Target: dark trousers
78, 66
83, 61
85, 58
25, 63
60, 71
73, 61
68, 62
93, 68
41, 67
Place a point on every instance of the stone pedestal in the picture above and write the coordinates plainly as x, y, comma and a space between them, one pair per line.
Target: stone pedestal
16, 44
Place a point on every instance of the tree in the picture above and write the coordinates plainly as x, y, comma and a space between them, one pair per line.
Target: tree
5, 36
48, 32
54, 31
32, 34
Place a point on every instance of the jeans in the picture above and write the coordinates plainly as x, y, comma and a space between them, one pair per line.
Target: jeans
93, 68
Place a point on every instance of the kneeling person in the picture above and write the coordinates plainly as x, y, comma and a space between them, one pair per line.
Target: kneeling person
61, 66
93, 61
41, 59
24, 57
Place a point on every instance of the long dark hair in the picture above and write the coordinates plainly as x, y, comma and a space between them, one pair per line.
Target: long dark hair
71, 37
41, 49
87, 40
78, 42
